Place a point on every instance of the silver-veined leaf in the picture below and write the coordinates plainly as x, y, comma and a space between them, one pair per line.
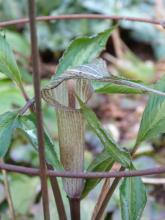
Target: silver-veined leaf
95, 72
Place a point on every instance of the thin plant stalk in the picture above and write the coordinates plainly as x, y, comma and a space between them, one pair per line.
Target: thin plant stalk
8, 194
75, 208
103, 204
117, 43
102, 196
98, 212
57, 196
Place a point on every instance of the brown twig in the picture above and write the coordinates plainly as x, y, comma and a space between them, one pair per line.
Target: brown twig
40, 135
84, 16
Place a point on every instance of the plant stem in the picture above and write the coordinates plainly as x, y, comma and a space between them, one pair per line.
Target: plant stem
117, 43
103, 205
27, 106
57, 197
110, 192
75, 208
8, 194
23, 92
101, 197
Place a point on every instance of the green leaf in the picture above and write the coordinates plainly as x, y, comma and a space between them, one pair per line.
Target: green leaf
83, 50
133, 198
153, 119
8, 123
132, 67
109, 144
10, 98
110, 88
29, 129
24, 190
18, 43
8, 65
102, 162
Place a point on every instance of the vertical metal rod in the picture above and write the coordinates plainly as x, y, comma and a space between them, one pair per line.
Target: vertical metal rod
36, 81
